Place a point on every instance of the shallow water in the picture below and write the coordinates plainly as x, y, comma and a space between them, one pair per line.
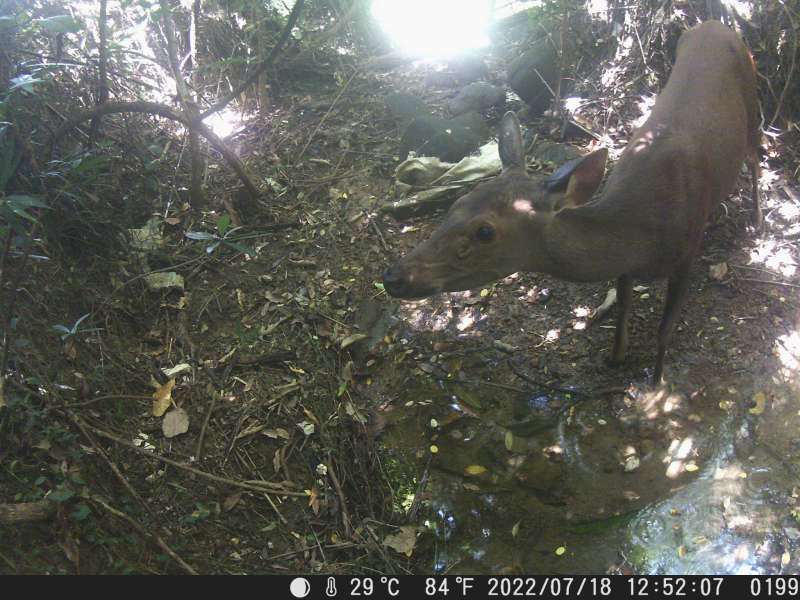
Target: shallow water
539, 481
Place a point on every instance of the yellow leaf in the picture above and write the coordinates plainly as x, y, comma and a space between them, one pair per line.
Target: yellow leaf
760, 401
311, 416
561, 550
474, 470
515, 529
785, 558
682, 551
699, 539
434, 449
691, 468
163, 398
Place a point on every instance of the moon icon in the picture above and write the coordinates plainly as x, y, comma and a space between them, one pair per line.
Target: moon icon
299, 587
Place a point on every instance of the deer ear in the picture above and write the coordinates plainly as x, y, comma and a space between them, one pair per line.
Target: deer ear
510, 145
578, 180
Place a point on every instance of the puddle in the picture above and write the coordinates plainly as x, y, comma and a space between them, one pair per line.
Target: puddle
523, 479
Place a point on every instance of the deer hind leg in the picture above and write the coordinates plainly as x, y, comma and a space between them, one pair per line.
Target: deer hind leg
676, 292
751, 158
624, 296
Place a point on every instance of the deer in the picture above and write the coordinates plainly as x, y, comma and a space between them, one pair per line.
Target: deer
648, 221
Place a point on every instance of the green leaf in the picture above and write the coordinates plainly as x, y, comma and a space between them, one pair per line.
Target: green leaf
603, 525
199, 235
61, 496
24, 201
24, 82
222, 224
81, 513
59, 24
242, 249
91, 164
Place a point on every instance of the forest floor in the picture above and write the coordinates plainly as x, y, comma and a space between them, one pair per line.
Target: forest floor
319, 426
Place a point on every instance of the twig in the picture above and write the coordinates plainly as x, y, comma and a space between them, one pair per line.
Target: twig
789, 81
245, 486
8, 561
311, 137
417, 502
275, 508
287, 29
378, 231
132, 522
340, 493
201, 438
790, 285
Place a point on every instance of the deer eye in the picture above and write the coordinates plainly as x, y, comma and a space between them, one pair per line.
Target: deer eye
485, 234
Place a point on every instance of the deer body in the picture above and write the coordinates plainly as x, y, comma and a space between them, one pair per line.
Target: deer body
648, 221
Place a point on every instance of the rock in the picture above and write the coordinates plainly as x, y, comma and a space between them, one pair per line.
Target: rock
547, 152
469, 67
436, 136
531, 74
452, 144
405, 107
475, 123
477, 96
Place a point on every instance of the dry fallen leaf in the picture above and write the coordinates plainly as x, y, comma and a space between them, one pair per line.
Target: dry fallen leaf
718, 271
175, 422
232, 500
403, 541
163, 398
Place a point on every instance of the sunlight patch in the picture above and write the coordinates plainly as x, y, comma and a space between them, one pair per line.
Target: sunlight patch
582, 313
774, 257
678, 453
573, 104
465, 321
224, 122
787, 349
597, 8
434, 27
645, 106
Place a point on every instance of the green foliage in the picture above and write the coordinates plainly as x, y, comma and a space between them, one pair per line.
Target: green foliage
201, 513
80, 513
60, 496
75, 328
15, 208
55, 432
223, 236
59, 24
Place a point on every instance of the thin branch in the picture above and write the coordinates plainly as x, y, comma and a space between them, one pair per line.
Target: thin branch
273, 54
166, 112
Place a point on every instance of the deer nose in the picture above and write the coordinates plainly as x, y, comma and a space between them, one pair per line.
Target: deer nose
393, 281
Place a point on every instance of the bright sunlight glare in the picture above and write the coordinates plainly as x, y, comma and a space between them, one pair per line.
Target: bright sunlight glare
223, 123
434, 27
